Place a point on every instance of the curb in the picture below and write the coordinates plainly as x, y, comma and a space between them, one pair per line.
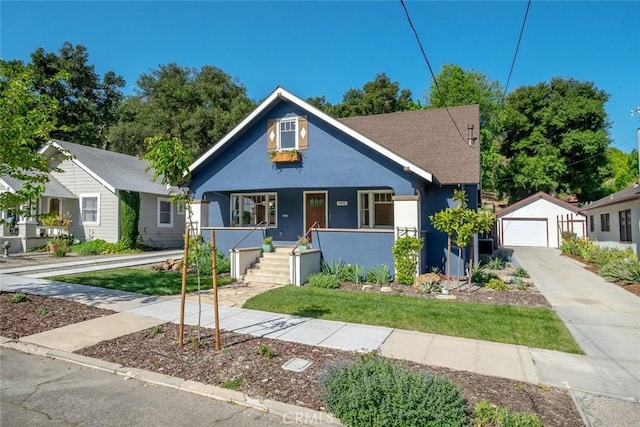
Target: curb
290, 414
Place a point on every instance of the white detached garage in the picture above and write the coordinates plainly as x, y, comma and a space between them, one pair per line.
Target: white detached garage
538, 220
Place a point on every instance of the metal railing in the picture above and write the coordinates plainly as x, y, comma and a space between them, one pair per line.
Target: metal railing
233, 249
315, 225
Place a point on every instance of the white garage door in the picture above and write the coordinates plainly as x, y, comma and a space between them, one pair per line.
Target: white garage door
524, 232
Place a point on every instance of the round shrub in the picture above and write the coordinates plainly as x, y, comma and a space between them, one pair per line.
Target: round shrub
371, 391
497, 284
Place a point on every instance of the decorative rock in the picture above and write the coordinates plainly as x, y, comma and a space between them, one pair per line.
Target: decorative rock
367, 287
386, 289
445, 297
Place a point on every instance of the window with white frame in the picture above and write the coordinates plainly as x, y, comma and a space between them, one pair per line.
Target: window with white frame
375, 209
287, 135
165, 212
250, 209
90, 209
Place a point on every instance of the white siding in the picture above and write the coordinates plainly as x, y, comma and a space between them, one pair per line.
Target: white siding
612, 237
542, 209
79, 182
165, 237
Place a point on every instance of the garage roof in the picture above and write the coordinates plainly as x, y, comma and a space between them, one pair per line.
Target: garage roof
534, 198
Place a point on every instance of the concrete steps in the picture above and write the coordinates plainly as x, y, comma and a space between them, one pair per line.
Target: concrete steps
272, 267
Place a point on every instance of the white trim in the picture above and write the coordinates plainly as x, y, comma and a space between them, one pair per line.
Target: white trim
180, 208
293, 119
304, 208
91, 173
281, 93
8, 187
158, 223
267, 194
371, 197
87, 196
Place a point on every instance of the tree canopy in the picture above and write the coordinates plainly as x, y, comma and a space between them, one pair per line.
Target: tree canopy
198, 106
26, 121
555, 140
87, 104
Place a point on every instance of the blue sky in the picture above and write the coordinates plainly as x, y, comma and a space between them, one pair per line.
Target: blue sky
326, 48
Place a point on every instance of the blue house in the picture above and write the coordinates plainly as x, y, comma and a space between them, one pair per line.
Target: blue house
352, 185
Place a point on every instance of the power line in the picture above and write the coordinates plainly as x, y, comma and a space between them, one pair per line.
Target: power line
515, 55
424, 55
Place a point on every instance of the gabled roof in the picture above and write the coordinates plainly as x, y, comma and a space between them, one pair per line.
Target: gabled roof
405, 139
52, 188
429, 138
115, 171
630, 193
533, 198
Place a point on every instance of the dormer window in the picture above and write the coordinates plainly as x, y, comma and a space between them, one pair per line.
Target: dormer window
288, 133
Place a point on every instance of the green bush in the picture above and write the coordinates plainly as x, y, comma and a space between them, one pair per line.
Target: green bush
18, 298
521, 272
352, 273
496, 284
60, 251
602, 255
99, 246
497, 263
486, 414
622, 270
578, 246
334, 267
371, 391
379, 274
129, 218
480, 275
323, 280
265, 351
406, 251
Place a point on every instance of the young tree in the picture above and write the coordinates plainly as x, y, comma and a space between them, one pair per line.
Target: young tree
26, 121
555, 137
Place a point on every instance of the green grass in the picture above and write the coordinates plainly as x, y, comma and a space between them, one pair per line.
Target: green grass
147, 282
528, 326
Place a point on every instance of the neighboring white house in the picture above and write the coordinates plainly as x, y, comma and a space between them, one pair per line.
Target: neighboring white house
89, 189
538, 220
615, 220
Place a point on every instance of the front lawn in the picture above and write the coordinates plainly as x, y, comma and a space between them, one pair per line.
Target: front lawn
147, 282
528, 326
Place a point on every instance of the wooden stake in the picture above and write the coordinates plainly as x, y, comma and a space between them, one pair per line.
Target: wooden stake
183, 292
214, 273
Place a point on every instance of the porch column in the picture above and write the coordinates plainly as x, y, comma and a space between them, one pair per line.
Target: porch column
27, 224
199, 214
406, 214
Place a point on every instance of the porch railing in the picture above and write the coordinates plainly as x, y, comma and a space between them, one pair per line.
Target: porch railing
314, 225
248, 234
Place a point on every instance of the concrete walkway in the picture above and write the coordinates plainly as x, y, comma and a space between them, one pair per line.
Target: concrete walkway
600, 316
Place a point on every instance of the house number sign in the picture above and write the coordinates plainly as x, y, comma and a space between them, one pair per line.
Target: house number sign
342, 203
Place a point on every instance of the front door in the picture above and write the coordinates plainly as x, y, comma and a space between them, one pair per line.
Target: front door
315, 210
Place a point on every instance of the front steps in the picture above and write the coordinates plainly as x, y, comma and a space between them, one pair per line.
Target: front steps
272, 267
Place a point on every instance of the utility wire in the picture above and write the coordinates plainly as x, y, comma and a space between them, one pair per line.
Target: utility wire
515, 55
424, 55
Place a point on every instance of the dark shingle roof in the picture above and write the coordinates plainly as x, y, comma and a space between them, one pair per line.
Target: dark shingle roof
121, 171
429, 139
630, 193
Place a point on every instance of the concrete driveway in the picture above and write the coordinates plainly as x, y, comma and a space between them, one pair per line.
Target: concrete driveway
603, 318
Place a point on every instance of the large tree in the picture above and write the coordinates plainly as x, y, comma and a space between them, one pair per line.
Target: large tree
378, 96
455, 87
26, 120
87, 104
198, 106
555, 137
623, 170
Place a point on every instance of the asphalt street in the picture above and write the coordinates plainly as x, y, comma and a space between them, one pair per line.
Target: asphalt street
38, 391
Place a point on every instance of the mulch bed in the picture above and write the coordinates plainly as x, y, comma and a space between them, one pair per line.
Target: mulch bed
634, 288
157, 350
38, 314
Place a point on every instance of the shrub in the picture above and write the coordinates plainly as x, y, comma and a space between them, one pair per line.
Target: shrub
480, 275
624, 270
496, 284
223, 263
129, 217
521, 272
602, 255
352, 273
18, 297
98, 246
486, 414
578, 246
405, 255
265, 351
60, 251
233, 384
379, 274
371, 391
334, 267
428, 283
497, 264
323, 280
